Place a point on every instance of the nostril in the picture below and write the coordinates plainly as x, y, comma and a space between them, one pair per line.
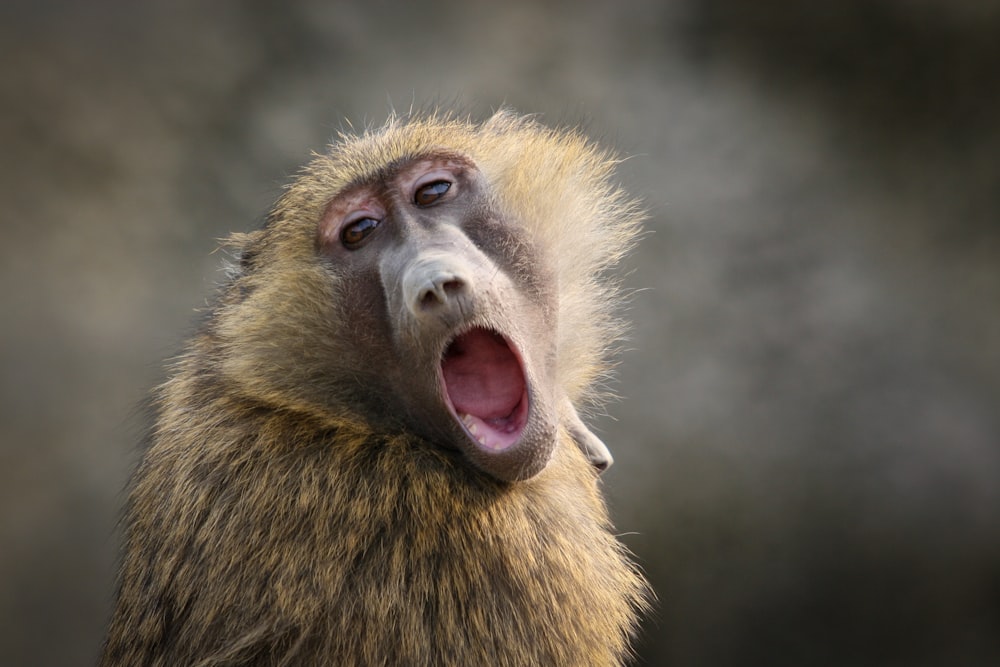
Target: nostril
453, 286
429, 299
439, 291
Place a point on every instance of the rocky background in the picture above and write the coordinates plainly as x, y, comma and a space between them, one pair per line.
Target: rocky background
808, 441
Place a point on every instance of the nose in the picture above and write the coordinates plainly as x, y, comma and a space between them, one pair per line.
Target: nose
436, 284
438, 290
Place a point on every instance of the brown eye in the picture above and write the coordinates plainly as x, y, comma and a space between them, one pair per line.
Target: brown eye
430, 193
355, 232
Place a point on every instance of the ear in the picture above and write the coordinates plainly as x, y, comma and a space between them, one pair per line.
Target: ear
243, 246
591, 446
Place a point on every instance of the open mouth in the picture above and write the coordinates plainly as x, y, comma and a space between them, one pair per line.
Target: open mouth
485, 387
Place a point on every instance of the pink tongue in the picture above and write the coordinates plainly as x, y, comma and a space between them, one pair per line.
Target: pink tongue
482, 376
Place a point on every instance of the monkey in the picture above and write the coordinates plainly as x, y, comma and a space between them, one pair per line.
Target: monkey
371, 452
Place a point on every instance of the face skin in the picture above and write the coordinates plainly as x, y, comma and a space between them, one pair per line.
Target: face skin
451, 306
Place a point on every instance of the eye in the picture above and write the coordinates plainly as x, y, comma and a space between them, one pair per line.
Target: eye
355, 232
431, 193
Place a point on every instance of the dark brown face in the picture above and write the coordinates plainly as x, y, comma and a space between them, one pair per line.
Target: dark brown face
452, 310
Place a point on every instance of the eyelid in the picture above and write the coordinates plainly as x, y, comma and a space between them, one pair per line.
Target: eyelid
434, 176
355, 216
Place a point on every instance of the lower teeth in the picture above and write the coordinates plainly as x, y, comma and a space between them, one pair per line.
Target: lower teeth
472, 427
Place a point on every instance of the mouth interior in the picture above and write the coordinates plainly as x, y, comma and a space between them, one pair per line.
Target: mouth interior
484, 382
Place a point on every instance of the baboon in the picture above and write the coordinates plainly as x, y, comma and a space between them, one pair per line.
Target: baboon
370, 453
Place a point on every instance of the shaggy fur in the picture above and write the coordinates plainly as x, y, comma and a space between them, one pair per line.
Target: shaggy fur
270, 523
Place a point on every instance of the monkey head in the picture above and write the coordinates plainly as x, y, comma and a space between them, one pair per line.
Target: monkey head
463, 300
423, 280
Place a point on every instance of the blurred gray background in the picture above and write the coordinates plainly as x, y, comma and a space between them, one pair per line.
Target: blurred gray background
808, 441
